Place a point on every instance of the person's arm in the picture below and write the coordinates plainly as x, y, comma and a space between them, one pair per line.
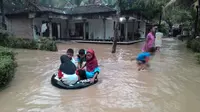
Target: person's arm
93, 79
79, 65
83, 66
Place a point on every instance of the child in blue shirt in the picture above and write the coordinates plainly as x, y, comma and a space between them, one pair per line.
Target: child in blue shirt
143, 58
81, 57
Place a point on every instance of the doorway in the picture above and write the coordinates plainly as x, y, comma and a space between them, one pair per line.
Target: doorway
56, 27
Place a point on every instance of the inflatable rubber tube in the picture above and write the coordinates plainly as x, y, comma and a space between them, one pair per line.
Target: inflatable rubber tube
80, 84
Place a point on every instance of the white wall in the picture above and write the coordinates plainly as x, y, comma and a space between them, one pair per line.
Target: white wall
38, 23
96, 27
109, 29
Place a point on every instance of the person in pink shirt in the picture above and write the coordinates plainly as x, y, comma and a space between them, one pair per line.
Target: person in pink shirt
150, 39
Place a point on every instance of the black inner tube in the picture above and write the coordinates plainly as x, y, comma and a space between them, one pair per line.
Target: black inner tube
78, 85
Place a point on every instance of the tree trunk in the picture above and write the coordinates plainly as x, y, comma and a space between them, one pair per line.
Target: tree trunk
196, 22
3, 14
116, 33
160, 19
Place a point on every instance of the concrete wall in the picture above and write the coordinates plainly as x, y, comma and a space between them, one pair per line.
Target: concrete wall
38, 23
72, 27
20, 26
109, 29
96, 28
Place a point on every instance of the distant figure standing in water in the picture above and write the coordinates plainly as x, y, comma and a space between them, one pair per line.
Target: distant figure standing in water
150, 39
158, 41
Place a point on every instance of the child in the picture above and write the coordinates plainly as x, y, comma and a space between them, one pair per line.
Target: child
67, 71
158, 41
70, 54
143, 58
81, 57
92, 68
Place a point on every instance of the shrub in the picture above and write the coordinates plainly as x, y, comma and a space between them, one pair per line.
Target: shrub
195, 45
7, 66
47, 44
189, 42
13, 42
198, 57
7, 52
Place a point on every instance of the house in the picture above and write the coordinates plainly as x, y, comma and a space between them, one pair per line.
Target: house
91, 22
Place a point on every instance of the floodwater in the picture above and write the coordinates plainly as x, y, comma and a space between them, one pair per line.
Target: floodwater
172, 84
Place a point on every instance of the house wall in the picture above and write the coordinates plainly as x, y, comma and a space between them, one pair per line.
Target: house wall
96, 27
72, 27
143, 29
135, 26
131, 26
109, 29
20, 26
38, 23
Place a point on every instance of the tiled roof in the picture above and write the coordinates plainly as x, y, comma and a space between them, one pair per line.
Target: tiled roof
89, 9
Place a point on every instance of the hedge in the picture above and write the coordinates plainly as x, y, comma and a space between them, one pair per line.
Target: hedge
43, 44
198, 57
194, 45
7, 65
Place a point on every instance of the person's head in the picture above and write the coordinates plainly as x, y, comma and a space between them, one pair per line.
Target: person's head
70, 53
81, 53
64, 59
67, 66
90, 54
152, 50
153, 29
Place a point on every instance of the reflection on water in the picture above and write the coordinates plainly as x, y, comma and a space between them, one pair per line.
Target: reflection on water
170, 85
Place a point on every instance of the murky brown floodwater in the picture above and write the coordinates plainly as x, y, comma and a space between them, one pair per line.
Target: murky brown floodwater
171, 85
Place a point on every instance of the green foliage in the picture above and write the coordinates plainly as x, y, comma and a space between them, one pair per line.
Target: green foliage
198, 57
7, 52
7, 65
195, 45
189, 42
13, 42
164, 29
149, 8
47, 44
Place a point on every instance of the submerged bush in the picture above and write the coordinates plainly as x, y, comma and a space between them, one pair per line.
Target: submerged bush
13, 42
194, 45
188, 44
7, 65
198, 57
47, 44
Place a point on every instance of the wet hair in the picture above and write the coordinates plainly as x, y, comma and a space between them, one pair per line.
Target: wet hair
152, 50
81, 52
70, 51
151, 27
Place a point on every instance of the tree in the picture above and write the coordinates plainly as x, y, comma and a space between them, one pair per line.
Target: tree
3, 14
116, 34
